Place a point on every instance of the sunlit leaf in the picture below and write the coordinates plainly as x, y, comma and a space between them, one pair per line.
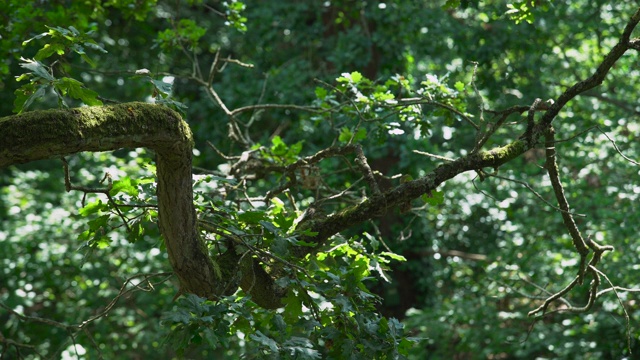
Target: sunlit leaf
265, 341
92, 208
125, 185
37, 68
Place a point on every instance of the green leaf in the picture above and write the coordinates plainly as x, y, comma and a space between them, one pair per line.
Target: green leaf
93, 45
345, 135
39, 36
264, 340
344, 78
301, 348
269, 227
37, 68
78, 49
92, 208
163, 87
459, 85
393, 256
99, 222
189, 30
176, 105
296, 148
234, 15
278, 206
283, 222
50, 49
135, 233
178, 316
321, 93
76, 90
296, 242
211, 338
384, 97
251, 217
308, 232
434, 198
356, 77
125, 185
279, 148
451, 4
361, 134
25, 96
101, 242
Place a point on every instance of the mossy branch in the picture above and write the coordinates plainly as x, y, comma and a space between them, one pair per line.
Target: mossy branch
54, 133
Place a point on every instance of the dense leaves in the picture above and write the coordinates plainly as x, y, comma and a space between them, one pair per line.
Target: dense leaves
282, 97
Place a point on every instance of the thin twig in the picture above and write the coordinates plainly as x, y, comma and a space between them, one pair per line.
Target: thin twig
439, 157
530, 188
212, 70
542, 308
624, 310
620, 104
72, 329
215, 229
86, 190
220, 153
423, 101
237, 62
493, 127
617, 288
365, 169
616, 147
541, 289
276, 106
475, 90
124, 290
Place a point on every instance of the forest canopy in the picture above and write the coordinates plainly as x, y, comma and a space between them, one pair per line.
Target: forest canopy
311, 180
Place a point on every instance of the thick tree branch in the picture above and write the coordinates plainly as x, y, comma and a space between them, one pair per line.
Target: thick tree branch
404, 193
53, 133
558, 189
594, 80
579, 242
45, 134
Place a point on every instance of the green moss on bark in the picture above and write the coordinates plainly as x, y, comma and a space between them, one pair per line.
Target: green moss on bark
498, 156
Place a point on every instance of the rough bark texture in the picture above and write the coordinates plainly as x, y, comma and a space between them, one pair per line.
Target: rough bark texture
45, 134
494, 158
379, 205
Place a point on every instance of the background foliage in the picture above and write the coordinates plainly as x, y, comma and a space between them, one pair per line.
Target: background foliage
477, 258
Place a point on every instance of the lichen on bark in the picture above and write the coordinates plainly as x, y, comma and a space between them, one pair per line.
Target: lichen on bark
54, 133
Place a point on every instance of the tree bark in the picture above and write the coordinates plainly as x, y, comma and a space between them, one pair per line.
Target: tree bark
53, 133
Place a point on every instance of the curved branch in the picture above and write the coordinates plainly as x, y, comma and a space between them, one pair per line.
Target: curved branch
617, 148
567, 215
276, 106
537, 194
594, 80
380, 204
53, 133
423, 101
404, 193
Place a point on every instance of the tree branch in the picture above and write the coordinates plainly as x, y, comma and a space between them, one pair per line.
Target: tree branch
594, 80
406, 192
53, 133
